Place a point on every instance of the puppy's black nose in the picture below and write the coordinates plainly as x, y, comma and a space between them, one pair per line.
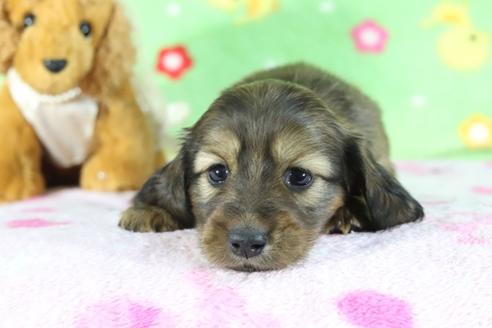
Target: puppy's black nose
55, 65
247, 242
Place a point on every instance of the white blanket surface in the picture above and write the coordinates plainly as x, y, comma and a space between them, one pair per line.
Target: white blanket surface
65, 263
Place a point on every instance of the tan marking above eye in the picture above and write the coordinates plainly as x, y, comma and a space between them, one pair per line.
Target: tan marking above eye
316, 163
204, 160
299, 150
224, 145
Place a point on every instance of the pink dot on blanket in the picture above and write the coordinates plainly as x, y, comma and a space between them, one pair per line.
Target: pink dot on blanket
420, 169
435, 202
370, 309
38, 210
124, 313
482, 190
33, 223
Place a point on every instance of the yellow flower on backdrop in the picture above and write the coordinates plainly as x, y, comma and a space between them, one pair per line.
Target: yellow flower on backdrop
476, 131
250, 10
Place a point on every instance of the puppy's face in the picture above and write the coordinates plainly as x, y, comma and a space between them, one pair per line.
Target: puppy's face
265, 176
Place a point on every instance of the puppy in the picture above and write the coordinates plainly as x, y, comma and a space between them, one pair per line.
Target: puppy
278, 159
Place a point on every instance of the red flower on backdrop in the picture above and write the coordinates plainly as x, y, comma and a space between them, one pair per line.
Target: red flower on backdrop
370, 37
174, 62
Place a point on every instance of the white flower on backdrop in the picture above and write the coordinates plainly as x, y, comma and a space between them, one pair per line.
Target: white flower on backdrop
327, 6
173, 9
418, 101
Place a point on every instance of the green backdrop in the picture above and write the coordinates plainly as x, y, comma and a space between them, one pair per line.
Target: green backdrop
427, 62
436, 103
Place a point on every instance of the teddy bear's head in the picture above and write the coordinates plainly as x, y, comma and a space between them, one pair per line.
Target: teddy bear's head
56, 45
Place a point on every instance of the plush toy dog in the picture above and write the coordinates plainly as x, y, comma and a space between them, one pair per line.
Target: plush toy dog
68, 109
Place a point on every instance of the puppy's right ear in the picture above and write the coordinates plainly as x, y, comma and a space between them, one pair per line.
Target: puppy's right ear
162, 204
375, 198
9, 37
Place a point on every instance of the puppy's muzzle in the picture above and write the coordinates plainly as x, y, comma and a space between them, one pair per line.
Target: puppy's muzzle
247, 242
55, 65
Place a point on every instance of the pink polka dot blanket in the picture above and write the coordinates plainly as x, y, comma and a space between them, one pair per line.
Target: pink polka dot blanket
65, 263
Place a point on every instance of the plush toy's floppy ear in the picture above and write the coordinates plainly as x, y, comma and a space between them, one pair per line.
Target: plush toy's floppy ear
115, 57
8, 38
375, 198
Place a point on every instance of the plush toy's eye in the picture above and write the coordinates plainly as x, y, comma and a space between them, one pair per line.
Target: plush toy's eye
29, 20
217, 174
86, 28
297, 178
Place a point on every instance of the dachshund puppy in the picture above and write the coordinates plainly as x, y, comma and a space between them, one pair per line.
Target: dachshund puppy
278, 159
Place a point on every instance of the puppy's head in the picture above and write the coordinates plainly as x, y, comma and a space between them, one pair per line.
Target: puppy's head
267, 168
56, 45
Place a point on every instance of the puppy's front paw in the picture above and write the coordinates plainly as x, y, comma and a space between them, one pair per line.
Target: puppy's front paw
147, 219
341, 222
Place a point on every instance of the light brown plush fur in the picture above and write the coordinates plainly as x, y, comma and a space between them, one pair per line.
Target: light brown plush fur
124, 145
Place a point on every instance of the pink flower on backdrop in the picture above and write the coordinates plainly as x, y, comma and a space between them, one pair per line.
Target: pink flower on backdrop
124, 313
174, 62
370, 37
370, 309
33, 223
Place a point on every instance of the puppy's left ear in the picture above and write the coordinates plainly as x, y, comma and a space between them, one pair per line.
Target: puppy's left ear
374, 197
162, 204
114, 59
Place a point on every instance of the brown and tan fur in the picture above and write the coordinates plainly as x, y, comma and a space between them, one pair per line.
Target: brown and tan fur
295, 116
124, 145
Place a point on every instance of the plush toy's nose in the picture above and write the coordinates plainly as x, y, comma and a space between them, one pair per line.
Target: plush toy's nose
55, 65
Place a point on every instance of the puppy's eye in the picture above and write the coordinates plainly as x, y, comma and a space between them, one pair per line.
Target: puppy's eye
86, 28
29, 20
298, 178
217, 174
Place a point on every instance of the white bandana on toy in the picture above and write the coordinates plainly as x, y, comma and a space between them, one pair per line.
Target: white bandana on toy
64, 123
